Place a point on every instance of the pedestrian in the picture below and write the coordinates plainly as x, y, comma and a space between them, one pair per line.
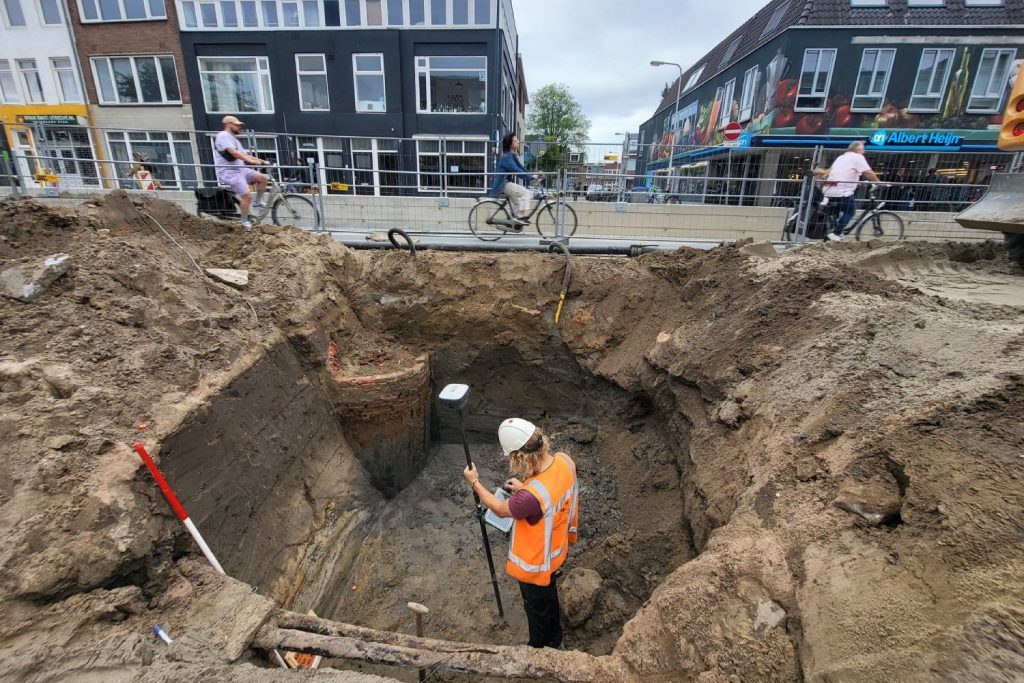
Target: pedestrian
545, 508
230, 161
841, 185
508, 168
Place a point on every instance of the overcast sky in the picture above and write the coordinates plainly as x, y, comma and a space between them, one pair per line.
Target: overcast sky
602, 50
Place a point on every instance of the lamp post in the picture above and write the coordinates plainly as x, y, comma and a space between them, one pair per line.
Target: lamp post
622, 163
679, 88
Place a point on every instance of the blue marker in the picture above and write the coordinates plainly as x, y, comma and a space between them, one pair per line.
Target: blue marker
161, 635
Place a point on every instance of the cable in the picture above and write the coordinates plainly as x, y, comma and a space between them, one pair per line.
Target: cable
398, 231
198, 268
558, 246
175, 243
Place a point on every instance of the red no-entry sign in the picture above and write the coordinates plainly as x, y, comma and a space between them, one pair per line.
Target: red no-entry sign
732, 131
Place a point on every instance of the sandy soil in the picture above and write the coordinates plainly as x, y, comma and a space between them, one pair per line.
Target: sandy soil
834, 436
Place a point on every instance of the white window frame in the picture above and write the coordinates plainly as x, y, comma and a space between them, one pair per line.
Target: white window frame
263, 79
420, 70
857, 4
42, 14
103, 61
361, 24
873, 92
751, 79
443, 153
23, 73
823, 94
172, 138
356, 72
926, 3
299, 73
99, 16
983, 3
692, 80
995, 87
7, 17
60, 84
939, 94
15, 96
728, 93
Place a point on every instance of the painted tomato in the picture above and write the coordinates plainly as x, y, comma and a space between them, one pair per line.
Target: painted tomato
784, 117
811, 124
785, 93
839, 100
843, 116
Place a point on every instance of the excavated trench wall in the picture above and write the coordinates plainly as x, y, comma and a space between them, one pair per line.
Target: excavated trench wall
270, 480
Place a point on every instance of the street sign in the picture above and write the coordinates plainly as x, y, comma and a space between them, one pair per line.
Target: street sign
732, 131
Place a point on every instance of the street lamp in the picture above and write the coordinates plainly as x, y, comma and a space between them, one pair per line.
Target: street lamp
622, 161
679, 87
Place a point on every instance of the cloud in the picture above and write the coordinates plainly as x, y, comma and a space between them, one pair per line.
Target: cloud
602, 50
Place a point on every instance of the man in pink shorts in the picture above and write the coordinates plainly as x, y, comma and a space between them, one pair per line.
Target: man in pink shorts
230, 162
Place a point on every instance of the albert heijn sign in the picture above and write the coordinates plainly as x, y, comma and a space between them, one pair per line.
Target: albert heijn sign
927, 140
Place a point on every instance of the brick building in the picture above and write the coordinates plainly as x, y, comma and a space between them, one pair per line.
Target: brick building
134, 75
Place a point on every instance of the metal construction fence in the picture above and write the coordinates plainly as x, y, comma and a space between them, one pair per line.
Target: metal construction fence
431, 184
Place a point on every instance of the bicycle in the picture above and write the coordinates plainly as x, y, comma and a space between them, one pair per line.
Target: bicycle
884, 224
284, 208
490, 219
658, 196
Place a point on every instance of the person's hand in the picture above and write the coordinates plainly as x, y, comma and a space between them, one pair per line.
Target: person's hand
470, 474
513, 484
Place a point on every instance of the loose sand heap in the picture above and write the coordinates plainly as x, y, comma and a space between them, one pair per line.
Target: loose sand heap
806, 467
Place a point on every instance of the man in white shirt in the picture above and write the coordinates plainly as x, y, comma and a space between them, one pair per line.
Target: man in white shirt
841, 184
230, 162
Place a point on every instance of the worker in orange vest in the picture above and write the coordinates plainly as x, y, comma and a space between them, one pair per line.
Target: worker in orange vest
546, 511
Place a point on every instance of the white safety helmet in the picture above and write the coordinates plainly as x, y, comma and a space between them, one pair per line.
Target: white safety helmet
514, 433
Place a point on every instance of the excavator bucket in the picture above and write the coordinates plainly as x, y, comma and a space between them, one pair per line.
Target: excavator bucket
1002, 207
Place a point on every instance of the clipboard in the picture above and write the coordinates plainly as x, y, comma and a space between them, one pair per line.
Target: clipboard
503, 524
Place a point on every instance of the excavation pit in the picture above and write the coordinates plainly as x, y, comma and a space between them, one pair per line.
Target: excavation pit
323, 486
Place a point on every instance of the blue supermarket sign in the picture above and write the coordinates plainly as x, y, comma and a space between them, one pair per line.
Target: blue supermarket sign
902, 138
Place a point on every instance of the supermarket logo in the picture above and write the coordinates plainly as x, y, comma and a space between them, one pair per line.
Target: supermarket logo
902, 137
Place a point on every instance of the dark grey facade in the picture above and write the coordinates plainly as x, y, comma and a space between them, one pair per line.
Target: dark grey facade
413, 146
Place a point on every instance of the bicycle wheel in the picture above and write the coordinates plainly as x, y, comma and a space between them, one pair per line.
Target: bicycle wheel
546, 221
297, 210
481, 217
884, 225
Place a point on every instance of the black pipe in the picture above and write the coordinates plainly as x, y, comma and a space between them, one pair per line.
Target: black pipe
590, 250
480, 517
408, 240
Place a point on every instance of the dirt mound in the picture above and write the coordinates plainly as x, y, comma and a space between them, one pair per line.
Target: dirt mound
751, 408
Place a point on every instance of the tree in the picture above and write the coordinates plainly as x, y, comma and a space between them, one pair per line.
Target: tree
556, 118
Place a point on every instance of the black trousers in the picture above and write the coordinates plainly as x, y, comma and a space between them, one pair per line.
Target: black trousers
543, 613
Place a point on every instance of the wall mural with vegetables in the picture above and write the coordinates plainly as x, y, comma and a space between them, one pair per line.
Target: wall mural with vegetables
770, 105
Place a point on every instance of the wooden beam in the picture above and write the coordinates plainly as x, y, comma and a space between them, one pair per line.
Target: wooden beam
325, 627
481, 660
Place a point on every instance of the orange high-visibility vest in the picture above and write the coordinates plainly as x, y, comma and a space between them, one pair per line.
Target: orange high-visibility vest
538, 550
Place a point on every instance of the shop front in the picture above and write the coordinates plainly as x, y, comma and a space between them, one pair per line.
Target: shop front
931, 170
51, 146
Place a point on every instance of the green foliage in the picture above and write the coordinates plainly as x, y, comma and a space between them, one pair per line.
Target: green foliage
556, 118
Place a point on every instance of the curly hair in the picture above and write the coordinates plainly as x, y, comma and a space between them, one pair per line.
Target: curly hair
526, 461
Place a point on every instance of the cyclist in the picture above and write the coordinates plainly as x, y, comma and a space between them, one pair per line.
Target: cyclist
841, 184
230, 161
509, 167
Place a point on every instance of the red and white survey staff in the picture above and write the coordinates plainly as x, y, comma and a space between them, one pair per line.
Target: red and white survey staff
176, 505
